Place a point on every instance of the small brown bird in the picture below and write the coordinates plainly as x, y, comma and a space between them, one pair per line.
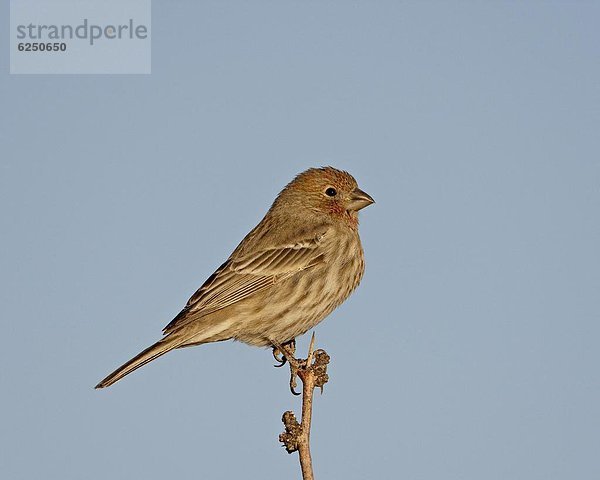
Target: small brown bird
292, 270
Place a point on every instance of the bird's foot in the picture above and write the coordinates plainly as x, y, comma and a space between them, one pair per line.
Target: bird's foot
315, 363
284, 353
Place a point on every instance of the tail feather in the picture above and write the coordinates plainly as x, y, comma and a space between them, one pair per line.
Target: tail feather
151, 353
183, 337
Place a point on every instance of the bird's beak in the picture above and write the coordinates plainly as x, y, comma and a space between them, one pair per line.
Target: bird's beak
359, 199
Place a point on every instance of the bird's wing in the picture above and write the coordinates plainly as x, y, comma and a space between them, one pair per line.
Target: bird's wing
240, 277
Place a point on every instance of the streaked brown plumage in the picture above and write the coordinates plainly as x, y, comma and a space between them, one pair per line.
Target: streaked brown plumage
298, 264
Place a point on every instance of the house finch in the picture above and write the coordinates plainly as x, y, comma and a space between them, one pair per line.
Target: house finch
292, 270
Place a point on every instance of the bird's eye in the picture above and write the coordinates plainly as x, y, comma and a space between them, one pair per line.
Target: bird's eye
331, 192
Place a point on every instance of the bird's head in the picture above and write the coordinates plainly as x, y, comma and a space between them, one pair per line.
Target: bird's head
328, 191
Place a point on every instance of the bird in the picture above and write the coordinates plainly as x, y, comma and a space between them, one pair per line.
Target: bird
301, 261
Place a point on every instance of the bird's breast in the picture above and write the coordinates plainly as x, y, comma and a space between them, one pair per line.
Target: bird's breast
295, 305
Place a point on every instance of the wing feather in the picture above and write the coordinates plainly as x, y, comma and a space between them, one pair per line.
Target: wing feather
239, 278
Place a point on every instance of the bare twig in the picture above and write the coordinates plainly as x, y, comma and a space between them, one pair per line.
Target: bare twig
312, 373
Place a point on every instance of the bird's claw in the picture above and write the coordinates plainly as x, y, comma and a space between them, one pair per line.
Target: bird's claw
294, 383
295, 366
279, 357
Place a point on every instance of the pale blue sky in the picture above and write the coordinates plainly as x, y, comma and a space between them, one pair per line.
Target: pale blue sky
470, 351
